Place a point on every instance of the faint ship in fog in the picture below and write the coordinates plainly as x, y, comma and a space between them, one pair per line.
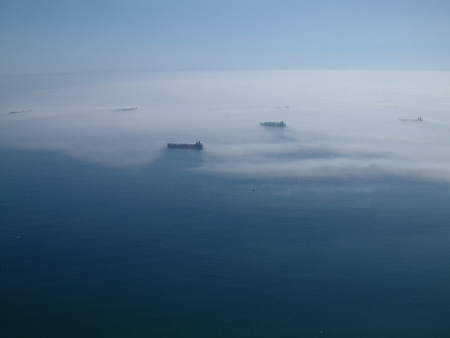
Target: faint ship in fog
126, 109
19, 111
419, 119
196, 145
273, 124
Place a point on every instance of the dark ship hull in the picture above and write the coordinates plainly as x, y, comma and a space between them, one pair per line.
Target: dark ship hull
196, 145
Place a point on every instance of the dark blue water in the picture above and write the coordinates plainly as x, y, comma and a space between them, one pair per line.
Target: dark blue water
167, 251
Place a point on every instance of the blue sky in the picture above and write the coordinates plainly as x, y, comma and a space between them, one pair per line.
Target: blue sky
79, 36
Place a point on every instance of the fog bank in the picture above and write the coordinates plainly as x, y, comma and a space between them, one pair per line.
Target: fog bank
338, 123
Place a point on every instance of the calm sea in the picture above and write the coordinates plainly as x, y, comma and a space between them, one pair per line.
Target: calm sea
165, 250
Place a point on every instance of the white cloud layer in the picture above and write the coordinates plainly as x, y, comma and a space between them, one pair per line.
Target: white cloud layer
339, 123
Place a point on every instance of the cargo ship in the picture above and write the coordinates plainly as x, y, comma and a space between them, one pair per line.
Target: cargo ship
196, 145
273, 124
18, 112
419, 119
